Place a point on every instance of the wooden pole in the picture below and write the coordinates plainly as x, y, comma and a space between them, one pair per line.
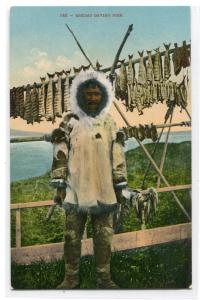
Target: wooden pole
87, 58
165, 150
154, 164
152, 154
18, 228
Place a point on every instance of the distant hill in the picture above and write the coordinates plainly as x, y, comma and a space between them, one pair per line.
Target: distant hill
17, 133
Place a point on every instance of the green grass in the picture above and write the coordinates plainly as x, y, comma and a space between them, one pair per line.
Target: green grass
163, 266
144, 268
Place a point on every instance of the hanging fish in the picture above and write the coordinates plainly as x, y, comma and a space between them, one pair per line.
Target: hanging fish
98, 66
167, 65
133, 98
130, 80
157, 66
12, 102
66, 91
138, 98
28, 106
170, 93
149, 94
41, 109
183, 92
184, 55
163, 91
58, 96
130, 71
117, 87
123, 82
49, 100
17, 102
150, 75
77, 70
85, 68
35, 103
176, 58
155, 92
21, 101
142, 76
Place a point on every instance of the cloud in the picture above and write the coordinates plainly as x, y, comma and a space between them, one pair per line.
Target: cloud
37, 64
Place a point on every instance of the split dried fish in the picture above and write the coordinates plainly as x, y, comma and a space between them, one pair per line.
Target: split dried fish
184, 55
21, 101
17, 102
35, 103
130, 80
85, 68
167, 65
98, 65
58, 96
176, 58
28, 106
77, 70
157, 66
123, 82
142, 76
41, 110
150, 75
12, 102
66, 91
49, 100
139, 98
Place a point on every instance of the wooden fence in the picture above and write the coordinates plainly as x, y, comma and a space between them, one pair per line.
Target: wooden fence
122, 241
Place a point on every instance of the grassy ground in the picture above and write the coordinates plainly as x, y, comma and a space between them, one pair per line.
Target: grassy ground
154, 267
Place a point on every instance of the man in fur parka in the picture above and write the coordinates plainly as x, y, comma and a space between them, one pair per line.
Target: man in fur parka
89, 158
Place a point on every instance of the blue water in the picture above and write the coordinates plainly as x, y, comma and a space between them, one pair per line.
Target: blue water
174, 137
34, 158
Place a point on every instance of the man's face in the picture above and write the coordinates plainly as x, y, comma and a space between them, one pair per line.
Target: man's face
92, 97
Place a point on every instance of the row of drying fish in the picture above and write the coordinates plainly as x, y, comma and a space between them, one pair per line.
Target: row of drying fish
141, 132
44, 102
150, 75
144, 96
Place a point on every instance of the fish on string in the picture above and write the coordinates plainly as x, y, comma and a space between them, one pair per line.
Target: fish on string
176, 58
35, 102
17, 102
139, 98
157, 65
66, 91
123, 83
98, 66
150, 74
49, 99
77, 70
130, 82
28, 106
41, 109
85, 68
142, 75
58, 96
13, 102
167, 64
21, 101
184, 55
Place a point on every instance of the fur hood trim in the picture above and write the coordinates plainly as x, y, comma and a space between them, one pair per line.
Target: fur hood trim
79, 79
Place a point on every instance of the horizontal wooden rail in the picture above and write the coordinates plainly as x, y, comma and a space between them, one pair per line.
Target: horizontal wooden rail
47, 137
50, 202
122, 241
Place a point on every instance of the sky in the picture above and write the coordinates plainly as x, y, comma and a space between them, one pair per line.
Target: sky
41, 43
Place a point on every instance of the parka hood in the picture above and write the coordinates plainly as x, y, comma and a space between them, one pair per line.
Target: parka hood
75, 99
